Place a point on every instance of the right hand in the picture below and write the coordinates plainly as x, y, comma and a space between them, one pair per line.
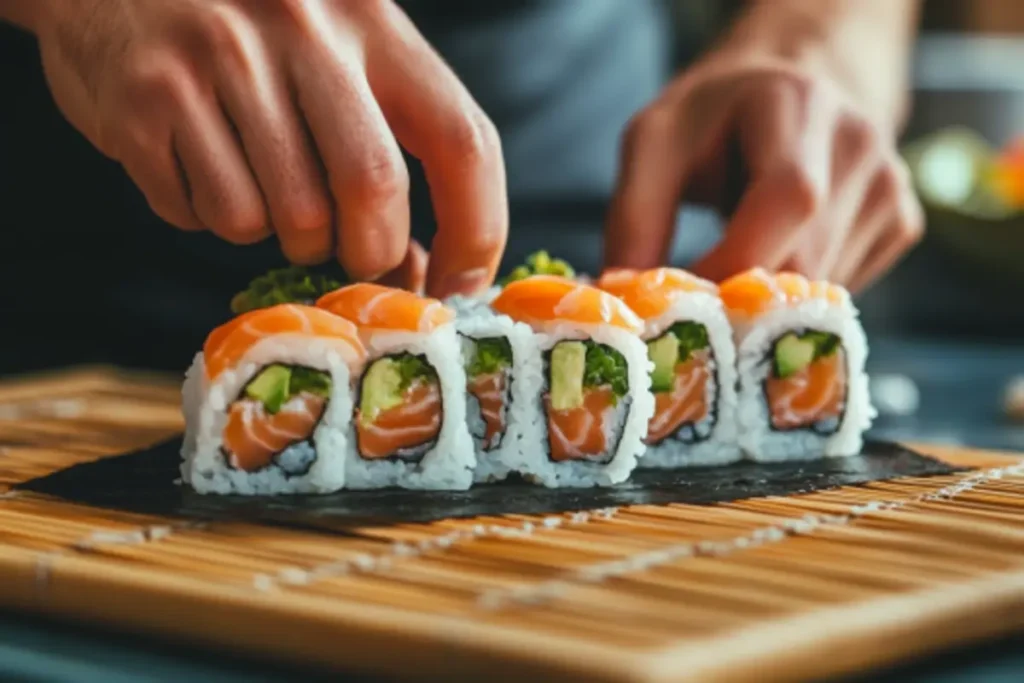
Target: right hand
252, 117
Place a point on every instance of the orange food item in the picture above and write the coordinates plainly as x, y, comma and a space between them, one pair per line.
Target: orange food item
756, 291
545, 298
818, 392
490, 390
252, 436
416, 421
580, 433
649, 293
227, 344
686, 403
373, 306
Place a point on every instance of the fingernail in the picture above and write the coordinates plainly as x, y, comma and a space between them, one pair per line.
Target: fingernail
467, 283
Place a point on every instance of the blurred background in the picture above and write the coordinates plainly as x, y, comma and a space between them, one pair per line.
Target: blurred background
946, 326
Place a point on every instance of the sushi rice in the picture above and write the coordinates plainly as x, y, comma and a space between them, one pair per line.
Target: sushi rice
316, 467
755, 341
448, 464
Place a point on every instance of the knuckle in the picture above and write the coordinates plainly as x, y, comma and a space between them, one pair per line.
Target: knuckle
808, 192
861, 136
378, 178
650, 123
306, 217
473, 137
891, 183
155, 79
223, 30
911, 224
238, 223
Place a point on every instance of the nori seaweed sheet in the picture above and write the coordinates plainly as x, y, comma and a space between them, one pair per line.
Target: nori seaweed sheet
144, 482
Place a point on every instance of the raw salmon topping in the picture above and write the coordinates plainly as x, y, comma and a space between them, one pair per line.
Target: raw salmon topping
649, 293
813, 394
757, 291
581, 433
543, 299
377, 307
686, 403
491, 390
228, 343
396, 430
252, 436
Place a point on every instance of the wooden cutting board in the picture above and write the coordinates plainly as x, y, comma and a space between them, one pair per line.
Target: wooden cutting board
772, 588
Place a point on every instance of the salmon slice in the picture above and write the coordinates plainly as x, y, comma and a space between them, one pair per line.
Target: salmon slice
543, 299
816, 393
580, 433
756, 291
394, 431
491, 391
229, 343
374, 306
252, 436
686, 403
650, 293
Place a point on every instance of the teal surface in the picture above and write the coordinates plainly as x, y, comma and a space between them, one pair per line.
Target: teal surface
35, 650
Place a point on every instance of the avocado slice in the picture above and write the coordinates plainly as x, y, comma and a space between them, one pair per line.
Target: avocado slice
568, 362
792, 354
382, 389
270, 387
664, 352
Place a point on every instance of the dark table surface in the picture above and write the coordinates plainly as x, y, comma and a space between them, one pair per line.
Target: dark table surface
961, 386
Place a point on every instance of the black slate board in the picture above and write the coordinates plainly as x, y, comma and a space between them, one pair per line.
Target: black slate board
144, 482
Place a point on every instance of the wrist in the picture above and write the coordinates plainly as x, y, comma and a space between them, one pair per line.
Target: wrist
862, 45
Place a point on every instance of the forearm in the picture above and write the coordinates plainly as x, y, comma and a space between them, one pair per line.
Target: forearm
867, 44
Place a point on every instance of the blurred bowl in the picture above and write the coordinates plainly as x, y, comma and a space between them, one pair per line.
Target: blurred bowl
963, 214
968, 96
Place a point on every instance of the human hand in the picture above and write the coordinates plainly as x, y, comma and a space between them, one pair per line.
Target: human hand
251, 117
826, 192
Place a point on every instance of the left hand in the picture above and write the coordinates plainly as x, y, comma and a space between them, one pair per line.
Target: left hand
826, 191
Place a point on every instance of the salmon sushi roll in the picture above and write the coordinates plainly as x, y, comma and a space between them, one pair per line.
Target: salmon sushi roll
410, 412
592, 402
268, 403
689, 341
803, 391
502, 366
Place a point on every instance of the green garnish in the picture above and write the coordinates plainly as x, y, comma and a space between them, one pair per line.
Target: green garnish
311, 381
277, 384
692, 337
412, 368
605, 366
489, 356
540, 263
825, 343
282, 286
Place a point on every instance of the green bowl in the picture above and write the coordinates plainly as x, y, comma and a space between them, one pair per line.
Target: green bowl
962, 217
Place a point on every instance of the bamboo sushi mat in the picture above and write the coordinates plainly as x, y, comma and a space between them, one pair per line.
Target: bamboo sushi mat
769, 588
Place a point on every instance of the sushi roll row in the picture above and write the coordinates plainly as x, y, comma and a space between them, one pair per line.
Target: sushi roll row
563, 383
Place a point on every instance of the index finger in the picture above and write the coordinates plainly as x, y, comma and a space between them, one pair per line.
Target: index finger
786, 145
437, 121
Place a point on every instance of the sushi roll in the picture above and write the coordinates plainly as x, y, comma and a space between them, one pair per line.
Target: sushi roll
690, 343
803, 392
268, 403
593, 400
410, 414
503, 367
